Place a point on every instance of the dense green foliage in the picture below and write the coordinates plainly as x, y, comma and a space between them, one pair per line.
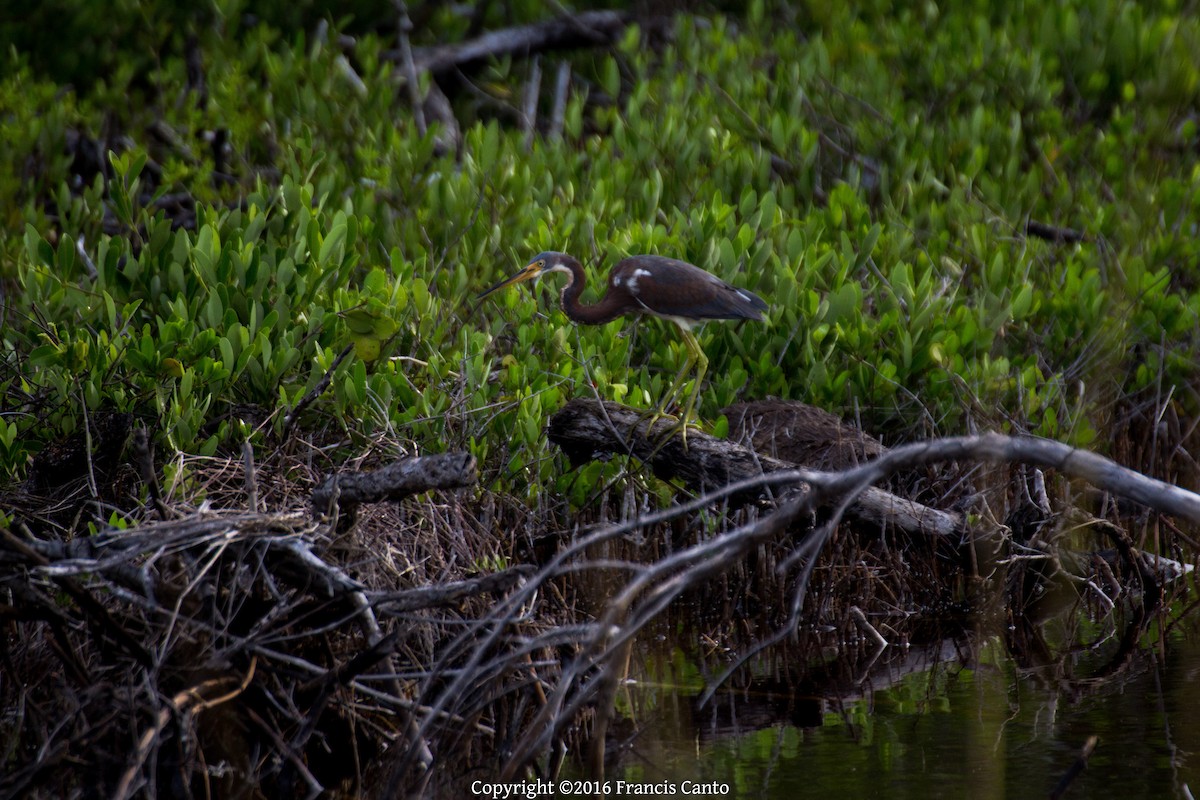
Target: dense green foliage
870, 174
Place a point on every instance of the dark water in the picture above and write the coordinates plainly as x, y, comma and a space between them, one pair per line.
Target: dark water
959, 720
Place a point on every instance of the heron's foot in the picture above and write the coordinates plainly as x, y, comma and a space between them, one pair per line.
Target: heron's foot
651, 418
681, 428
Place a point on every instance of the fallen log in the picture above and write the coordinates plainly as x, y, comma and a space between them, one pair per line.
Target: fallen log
586, 429
346, 491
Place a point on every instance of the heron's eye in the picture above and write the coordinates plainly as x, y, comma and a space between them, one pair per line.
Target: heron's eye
541, 263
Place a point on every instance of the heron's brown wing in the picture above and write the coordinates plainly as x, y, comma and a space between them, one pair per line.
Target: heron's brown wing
671, 288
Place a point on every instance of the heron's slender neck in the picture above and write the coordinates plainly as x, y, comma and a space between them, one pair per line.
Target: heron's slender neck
607, 309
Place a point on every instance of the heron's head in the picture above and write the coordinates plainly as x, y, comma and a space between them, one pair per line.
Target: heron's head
542, 263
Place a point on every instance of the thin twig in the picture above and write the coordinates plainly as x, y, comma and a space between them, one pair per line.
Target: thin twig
1078, 766
316, 392
860, 619
251, 477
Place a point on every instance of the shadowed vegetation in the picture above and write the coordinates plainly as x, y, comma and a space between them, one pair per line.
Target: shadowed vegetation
235, 246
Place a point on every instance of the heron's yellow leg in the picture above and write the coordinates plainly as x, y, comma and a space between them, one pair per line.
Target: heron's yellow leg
701, 361
694, 358
677, 385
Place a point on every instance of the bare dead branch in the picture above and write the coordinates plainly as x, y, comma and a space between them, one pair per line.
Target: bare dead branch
95, 612
315, 392
585, 428
860, 619
409, 66
194, 699
1070, 461
396, 603
143, 456
587, 29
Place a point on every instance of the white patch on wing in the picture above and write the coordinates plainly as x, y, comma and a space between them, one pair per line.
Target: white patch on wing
744, 296
633, 279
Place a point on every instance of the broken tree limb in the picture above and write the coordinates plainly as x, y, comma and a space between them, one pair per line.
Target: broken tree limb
586, 429
347, 490
1070, 461
588, 29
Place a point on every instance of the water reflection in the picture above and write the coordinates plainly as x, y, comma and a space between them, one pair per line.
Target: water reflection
995, 712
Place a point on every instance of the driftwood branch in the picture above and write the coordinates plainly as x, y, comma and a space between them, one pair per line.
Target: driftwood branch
347, 490
586, 429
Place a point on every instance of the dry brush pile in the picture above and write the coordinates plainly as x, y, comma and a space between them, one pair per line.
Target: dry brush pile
386, 639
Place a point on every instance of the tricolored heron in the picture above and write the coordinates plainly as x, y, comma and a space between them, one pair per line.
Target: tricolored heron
663, 287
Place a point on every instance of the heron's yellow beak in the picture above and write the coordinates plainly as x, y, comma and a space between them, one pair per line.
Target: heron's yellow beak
528, 272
